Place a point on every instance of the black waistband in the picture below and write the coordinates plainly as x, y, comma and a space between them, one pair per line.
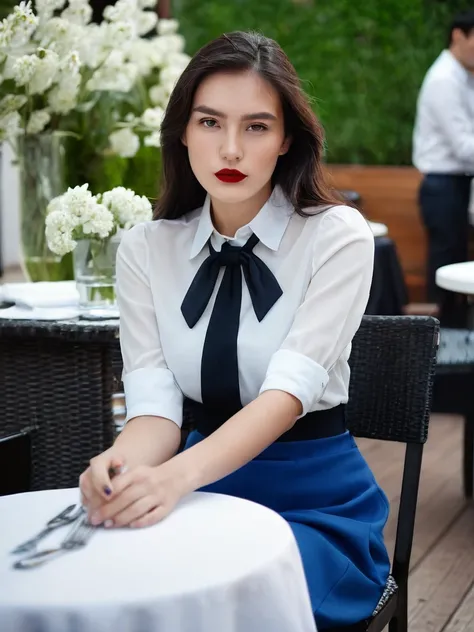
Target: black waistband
319, 424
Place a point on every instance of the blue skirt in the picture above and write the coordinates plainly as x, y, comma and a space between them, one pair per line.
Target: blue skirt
328, 494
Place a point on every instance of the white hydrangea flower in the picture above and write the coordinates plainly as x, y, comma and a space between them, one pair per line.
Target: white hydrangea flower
64, 96
61, 36
59, 226
121, 11
141, 54
12, 102
10, 126
45, 73
153, 117
38, 121
90, 48
127, 207
78, 12
113, 78
124, 143
146, 4
117, 35
158, 95
146, 22
167, 27
23, 69
153, 140
17, 28
46, 8
173, 43
71, 63
97, 220
176, 60
169, 77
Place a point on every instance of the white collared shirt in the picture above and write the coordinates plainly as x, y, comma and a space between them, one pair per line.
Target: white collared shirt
324, 266
443, 136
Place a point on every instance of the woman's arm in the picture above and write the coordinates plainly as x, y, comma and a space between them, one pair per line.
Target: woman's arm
238, 441
148, 441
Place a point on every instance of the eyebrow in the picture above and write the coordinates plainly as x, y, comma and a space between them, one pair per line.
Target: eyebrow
246, 117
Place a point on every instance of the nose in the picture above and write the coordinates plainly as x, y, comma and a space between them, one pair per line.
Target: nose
231, 148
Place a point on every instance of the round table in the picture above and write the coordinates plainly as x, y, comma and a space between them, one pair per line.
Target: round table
457, 277
378, 229
216, 563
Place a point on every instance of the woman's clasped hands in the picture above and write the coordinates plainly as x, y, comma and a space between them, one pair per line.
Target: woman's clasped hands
116, 495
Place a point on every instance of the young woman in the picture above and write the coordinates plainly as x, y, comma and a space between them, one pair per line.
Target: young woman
241, 301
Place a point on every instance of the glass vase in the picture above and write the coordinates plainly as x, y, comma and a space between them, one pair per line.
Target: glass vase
94, 271
43, 176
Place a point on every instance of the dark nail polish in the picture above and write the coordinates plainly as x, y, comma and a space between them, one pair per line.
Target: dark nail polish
107, 490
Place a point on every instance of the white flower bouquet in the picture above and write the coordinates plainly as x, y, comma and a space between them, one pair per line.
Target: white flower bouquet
90, 226
56, 67
78, 215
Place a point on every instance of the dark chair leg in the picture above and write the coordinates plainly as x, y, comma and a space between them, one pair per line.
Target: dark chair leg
468, 457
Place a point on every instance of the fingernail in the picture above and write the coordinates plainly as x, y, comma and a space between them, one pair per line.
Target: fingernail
108, 523
107, 490
95, 520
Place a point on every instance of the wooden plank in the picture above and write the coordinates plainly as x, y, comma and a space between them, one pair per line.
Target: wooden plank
439, 583
440, 498
390, 195
463, 619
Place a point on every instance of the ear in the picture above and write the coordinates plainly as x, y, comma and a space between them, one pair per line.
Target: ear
286, 145
184, 139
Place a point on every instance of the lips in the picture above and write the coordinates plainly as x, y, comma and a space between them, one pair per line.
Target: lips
231, 176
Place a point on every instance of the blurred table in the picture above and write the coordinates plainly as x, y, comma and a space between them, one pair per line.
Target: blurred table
388, 294
215, 564
457, 303
457, 277
378, 229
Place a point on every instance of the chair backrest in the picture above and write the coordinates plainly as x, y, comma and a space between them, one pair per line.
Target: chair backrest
392, 367
393, 360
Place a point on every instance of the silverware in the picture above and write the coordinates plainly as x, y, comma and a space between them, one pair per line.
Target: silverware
77, 538
65, 517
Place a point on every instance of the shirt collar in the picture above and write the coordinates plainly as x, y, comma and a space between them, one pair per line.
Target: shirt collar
269, 225
455, 64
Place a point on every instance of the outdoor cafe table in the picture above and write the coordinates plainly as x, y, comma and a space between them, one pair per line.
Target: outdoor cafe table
215, 564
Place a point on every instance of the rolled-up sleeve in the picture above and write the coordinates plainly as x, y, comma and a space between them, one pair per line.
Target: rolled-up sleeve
149, 385
331, 311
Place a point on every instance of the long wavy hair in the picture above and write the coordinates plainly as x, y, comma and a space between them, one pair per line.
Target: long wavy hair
299, 172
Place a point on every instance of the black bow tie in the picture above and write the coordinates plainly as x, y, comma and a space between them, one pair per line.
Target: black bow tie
219, 369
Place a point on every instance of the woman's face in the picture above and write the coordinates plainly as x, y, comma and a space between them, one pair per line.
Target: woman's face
236, 127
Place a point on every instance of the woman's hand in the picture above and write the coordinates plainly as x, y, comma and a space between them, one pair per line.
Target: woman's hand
95, 483
141, 497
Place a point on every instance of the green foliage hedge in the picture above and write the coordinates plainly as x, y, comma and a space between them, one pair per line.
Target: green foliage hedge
361, 61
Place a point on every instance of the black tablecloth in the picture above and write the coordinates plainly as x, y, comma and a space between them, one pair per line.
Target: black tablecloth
388, 294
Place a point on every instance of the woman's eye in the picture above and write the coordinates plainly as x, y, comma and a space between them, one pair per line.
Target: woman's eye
257, 127
209, 122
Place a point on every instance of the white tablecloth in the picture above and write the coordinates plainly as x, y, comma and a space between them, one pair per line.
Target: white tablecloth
458, 277
378, 229
216, 564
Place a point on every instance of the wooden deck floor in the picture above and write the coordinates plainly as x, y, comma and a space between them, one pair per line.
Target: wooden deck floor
441, 589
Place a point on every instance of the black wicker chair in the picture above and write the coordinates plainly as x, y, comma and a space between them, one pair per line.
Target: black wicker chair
56, 386
392, 361
453, 390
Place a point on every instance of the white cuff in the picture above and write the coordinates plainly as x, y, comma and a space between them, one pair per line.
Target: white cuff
153, 392
298, 375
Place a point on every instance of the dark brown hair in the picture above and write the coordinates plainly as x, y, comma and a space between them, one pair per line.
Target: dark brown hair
299, 172
463, 21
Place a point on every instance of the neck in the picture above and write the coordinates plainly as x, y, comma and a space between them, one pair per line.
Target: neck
229, 217
457, 55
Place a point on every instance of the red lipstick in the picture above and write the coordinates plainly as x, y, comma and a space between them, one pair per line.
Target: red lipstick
230, 175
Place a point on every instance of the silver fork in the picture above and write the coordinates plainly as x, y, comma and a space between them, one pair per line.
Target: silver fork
77, 538
67, 516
